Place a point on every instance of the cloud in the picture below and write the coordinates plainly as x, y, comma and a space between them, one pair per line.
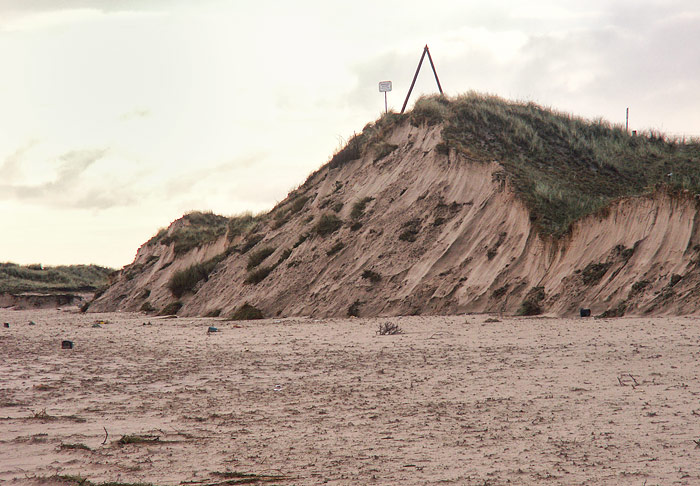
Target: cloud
135, 114
10, 168
66, 188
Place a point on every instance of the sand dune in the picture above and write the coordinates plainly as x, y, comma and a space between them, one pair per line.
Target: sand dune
454, 400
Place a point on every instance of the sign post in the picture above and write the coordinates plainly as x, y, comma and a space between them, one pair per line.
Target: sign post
384, 87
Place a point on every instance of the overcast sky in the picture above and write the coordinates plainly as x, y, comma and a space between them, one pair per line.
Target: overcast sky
118, 116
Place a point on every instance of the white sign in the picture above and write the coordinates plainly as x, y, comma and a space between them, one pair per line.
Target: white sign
384, 86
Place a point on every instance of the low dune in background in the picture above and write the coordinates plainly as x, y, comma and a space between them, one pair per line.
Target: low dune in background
456, 400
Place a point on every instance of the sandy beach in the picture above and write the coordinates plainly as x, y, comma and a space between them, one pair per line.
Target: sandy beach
451, 400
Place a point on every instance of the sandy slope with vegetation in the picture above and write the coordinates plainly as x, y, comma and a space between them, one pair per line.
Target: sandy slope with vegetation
472, 204
452, 400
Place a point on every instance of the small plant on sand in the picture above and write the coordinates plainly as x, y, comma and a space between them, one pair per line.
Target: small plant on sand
302, 238
241, 225
246, 312
76, 480
383, 149
339, 245
138, 439
171, 309
531, 305
298, 204
389, 328
328, 224
236, 477
285, 254
258, 275
354, 309
257, 257
358, 209
250, 241
593, 272
410, 230
147, 307
372, 276
73, 447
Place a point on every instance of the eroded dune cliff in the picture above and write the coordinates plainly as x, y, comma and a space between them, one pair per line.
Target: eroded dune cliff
405, 222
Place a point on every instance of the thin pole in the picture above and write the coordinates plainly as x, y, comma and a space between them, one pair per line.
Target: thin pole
430, 58
627, 121
386, 107
415, 76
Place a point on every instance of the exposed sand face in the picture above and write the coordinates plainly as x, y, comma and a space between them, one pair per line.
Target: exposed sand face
453, 399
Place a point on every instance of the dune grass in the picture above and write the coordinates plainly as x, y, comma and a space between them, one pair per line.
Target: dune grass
563, 167
192, 231
65, 278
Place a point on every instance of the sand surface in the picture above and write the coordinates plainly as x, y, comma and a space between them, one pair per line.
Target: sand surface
452, 400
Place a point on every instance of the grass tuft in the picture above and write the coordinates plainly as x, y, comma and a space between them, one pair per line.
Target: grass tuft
257, 257
258, 275
532, 304
246, 312
358, 209
328, 224
373, 277
171, 309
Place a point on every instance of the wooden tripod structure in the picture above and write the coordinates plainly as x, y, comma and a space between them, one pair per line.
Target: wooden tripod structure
425, 51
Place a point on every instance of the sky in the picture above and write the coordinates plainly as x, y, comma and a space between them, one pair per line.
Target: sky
119, 116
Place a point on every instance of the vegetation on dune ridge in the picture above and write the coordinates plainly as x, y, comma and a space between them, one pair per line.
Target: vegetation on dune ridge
563, 167
63, 278
192, 230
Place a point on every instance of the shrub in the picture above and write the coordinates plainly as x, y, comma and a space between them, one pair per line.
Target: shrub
337, 207
257, 257
358, 209
171, 309
281, 218
246, 312
339, 245
298, 204
241, 224
213, 313
618, 311
411, 230
531, 305
194, 230
351, 151
258, 275
328, 224
373, 277
285, 254
638, 287
250, 241
500, 291
184, 281
409, 235
355, 226
302, 238
383, 149
430, 110
354, 309
594, 272
147, 307
389, 328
